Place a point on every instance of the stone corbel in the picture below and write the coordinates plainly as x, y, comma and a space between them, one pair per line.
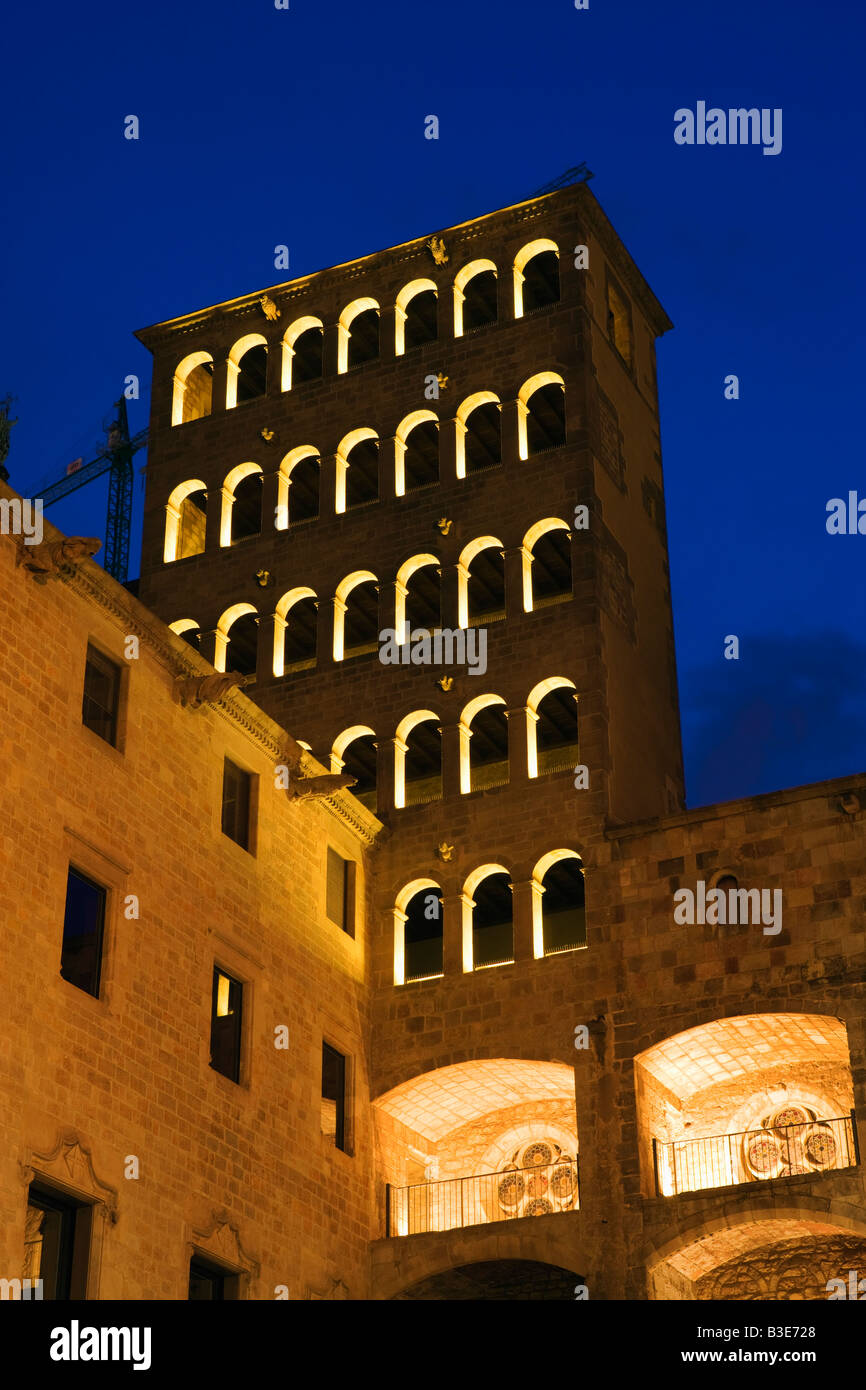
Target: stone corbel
56, 559
195, 691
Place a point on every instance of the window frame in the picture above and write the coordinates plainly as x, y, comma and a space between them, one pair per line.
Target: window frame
73, 869
238, 1028
94, 650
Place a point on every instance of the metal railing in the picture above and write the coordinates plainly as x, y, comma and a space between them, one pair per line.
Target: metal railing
482, 1198
755, 1155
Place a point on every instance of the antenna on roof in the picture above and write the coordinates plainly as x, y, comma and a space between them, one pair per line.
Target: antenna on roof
579, 174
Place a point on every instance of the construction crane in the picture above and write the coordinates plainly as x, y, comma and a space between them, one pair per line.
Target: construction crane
116, 460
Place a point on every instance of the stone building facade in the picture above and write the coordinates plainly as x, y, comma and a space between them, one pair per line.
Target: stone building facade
562, 1087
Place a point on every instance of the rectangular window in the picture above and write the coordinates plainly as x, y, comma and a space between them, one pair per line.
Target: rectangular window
83, 927
236, 804
101, 696
57, 1243
334, 1096
225, 1025
209, 1282
340, 903
619, 322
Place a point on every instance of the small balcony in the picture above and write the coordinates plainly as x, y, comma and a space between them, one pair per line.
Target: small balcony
756, 1155
542, 1190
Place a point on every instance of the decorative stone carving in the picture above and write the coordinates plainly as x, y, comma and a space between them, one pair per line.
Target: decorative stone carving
444, 524
790, 1270
267, 435
316, 787
445, 683
220, 1239
70, 1165
57, 559
436, 247
444, 851
195, 691
269, 308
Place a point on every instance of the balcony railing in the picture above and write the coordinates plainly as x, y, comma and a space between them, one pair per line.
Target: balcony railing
478, 1200
755, 1155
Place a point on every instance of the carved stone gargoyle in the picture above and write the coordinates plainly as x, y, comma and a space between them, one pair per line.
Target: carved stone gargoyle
298, 785
195, 691
57, 559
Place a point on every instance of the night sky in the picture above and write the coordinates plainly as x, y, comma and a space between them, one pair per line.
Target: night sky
306, 127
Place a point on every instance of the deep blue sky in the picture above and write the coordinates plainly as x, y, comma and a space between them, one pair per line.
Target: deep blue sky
305, 127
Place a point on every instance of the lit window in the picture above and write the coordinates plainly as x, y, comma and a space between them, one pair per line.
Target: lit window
225, 1025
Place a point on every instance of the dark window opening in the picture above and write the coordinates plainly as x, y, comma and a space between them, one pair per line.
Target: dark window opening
101, 696
210, 1282
488, 749
192, 637
486, 587
236, 804
483, 440
422, 935
363, 338
422, 320
423, 764
556, 731
479, 301
252, 374
307, 356
247, 507
362, 474
361, 620
563, 907
359, 761
551, 566
340, 896
225, 1024
299, 649
57, 1243
243, 644
83, 928
333, 1112
492, 924
545, 423
304, 491
541, 281
198, 393
421, 459
619, 322
191, 527
423, 601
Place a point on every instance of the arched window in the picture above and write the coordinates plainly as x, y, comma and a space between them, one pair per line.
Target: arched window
247, 370
536, 276
418, 600
354, 752
489, 902
418, 759
356, 615
295, 628
418, 932
559, 904
302, 352
358, 334
541, 420
552, 726
484, 744
192, 392
475, 297
481, 583
416, 452
546, 563
479, 434
185, 517
237, 639
189, 630
417, 319
242, 504
298, 487
357, 470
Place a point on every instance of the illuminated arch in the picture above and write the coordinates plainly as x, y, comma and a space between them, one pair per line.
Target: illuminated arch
401, 437
180, 406
340, 762
344, 448
181, 625
400, 915
524, 395
284, 480
173, 512
223, 631
461, 280
470, 888
290, 337
534, 534
534, 699
230, 482
464, 410
467, 555
344, 328
344, 590
401, 589
401, 748
464, 728
240, 348
404, 299
281, 622
545, 863
521, 260
342, 741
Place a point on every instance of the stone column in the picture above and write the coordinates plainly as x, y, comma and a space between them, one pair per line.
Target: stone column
518, 741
